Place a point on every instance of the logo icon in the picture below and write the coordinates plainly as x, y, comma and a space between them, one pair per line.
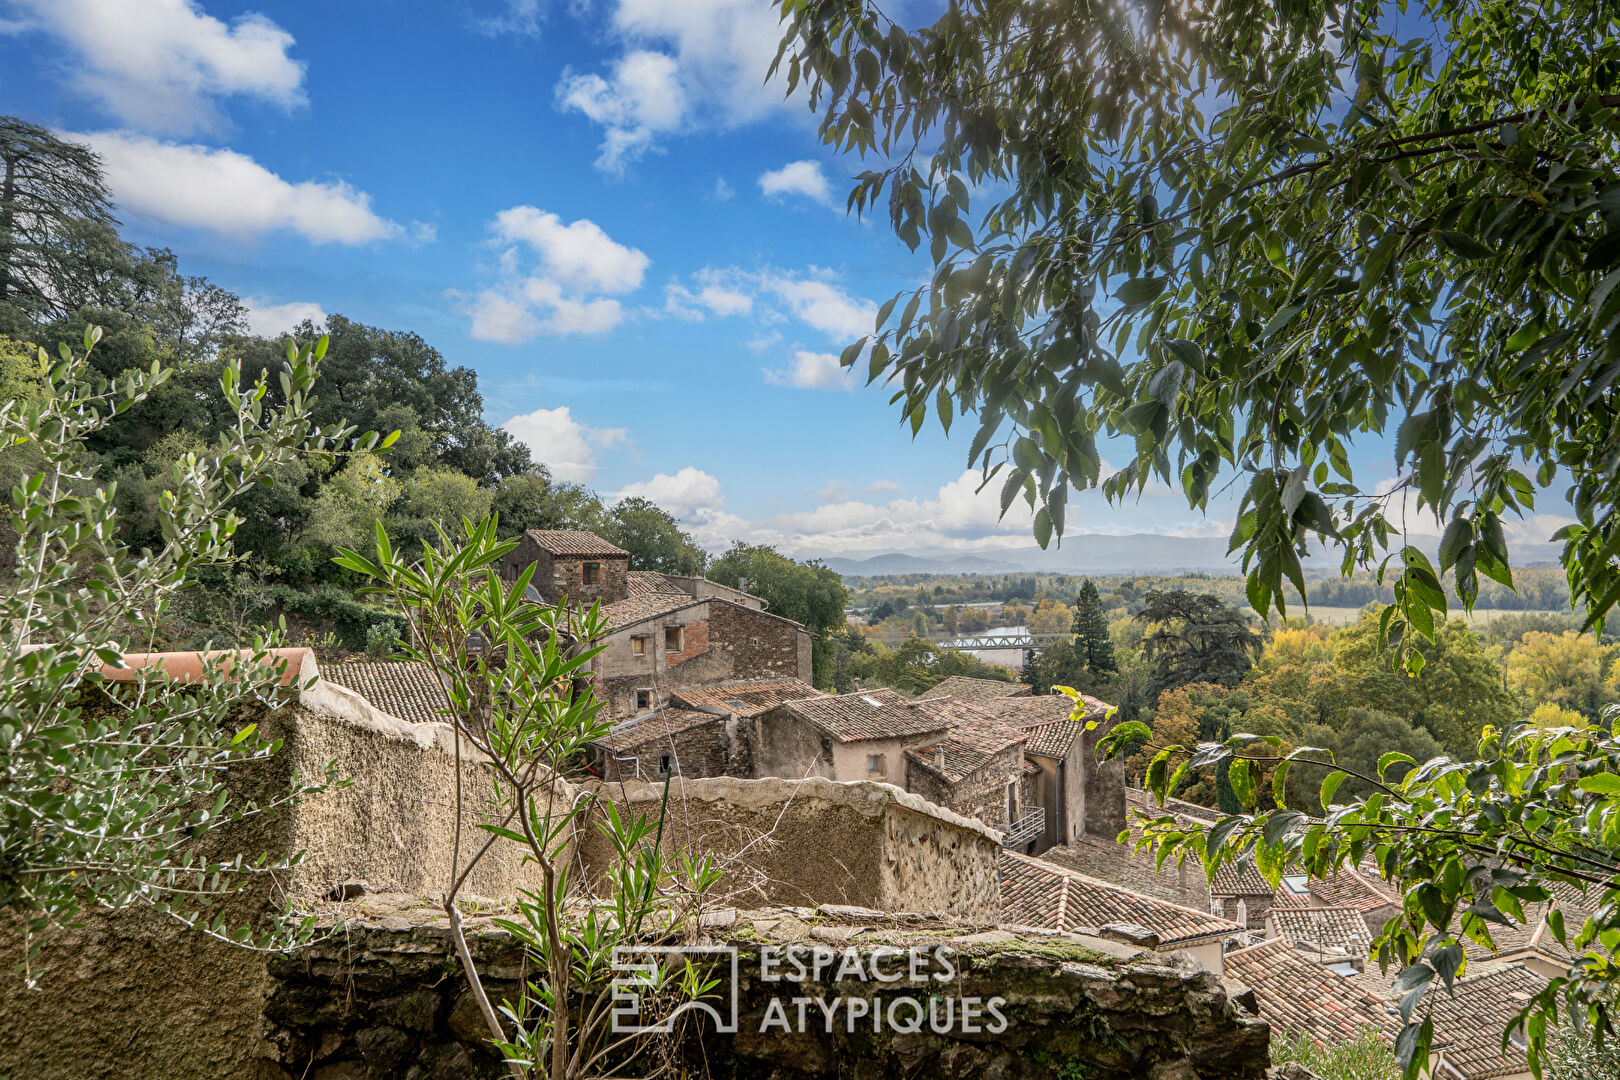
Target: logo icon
643, 971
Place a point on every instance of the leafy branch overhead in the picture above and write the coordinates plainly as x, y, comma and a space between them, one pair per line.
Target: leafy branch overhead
1243, 236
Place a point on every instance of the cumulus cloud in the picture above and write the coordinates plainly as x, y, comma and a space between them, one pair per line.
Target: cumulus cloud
161, 65
641, 98
824, 306
265, 319
811, 371
693, 497
713, 54
557, 278
882, 487
229, 193
520, 17
709, 292
566, 446
803, 178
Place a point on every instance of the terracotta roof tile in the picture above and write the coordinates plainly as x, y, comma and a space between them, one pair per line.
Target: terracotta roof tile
653, 727
870, 714
1354, 889
967, 688
974, 739
1324, 928
406, 689
1141, 799
1298, 995
1038, 893
1053, 740
746, 698
1041, 709
649, 583
640, 607
1104, 858
1471, 1021
574, 544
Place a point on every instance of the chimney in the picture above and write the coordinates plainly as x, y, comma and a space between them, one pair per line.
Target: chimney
939, 756
857, 683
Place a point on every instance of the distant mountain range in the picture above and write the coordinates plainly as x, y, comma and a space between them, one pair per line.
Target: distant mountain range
1088, 553
1149, 553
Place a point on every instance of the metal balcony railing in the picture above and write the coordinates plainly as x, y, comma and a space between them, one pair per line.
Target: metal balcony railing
1025, 829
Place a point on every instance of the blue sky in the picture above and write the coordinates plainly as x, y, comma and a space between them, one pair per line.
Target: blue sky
597, 205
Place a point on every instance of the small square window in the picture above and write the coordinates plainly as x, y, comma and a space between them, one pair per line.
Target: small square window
875, 765
591, 573
672, 639
663, 765
643, 699
638, 646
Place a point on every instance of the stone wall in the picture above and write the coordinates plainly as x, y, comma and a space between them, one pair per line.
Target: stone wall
387, 1001
557, 576
1102, 785
762, 645
694, 752
981, 794
815, 841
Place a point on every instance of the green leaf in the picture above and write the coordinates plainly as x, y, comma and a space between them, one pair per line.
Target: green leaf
1464, 245
1140, 291
1601, 784
1330, 786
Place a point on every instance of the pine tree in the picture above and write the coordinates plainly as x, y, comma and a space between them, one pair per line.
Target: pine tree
1093, 646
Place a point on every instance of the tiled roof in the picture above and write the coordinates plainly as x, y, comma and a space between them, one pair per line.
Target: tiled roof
1322, 928
1041, 709
1037, 893
967, 688
1240, 879
650, 583
575, 544
1053, 740
1300, 996
406, 689
639, 607
746, 698
1103, 857
1353, 889
1142, 799
975, 737
870, 714
1471, 1021
660, 725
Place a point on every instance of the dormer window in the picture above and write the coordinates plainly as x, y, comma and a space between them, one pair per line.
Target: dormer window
591, 573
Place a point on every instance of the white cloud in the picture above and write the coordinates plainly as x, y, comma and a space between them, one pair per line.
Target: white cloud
882, 487
641, 99
229, 193
521, 17
684, 494
824, 306
804, 178
812, 297
811, 371
567, 447
265, 319
560, 293
160, 65
716, 52
579, 255
722, 190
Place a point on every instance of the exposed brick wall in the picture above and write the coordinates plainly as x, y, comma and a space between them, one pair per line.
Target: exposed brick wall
694, 642
761, 645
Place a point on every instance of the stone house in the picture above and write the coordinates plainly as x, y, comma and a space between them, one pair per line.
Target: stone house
861, 736
664, 631
1080, 793
976, 769
696, 734
669, 742
1362, 892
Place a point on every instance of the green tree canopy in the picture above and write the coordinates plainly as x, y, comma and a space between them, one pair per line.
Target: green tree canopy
1196, 637
653, 538
1092, 642
1243, 236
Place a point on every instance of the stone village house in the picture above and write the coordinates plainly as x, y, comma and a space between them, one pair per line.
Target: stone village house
664, 631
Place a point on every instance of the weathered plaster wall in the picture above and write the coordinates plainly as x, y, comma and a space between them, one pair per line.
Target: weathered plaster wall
816, 841
138, 995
